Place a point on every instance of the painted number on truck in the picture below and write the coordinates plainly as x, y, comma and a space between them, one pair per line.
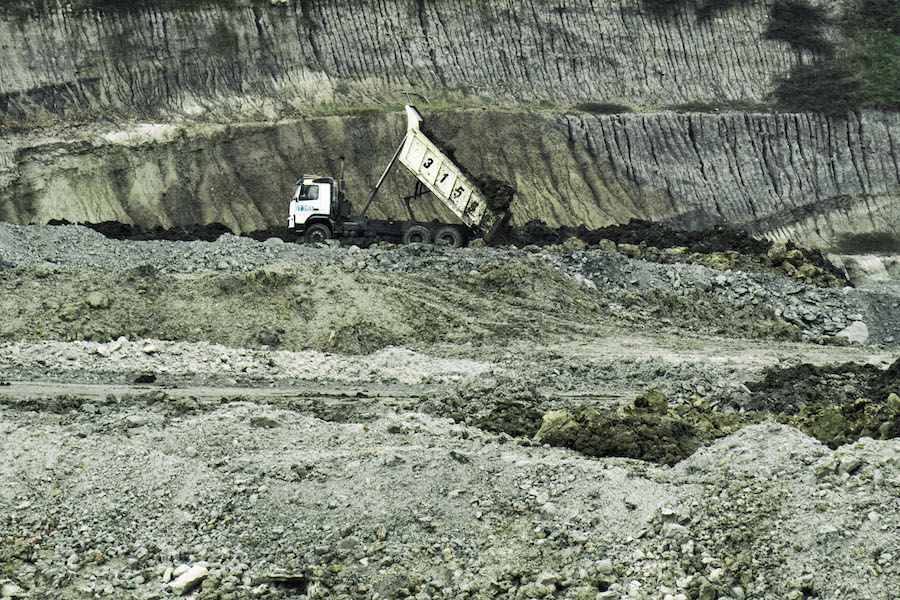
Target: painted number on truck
457, 192
428, 162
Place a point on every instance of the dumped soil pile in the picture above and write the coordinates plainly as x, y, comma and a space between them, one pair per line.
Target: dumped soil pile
703, 312
789, 390
641, 435
650, 428
839, 424
715, 239
719, 247
291, 306
115, 230
499, 194
835, 404
823, 402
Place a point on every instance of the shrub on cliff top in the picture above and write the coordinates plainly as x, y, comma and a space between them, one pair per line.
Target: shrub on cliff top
799, 24
865, 73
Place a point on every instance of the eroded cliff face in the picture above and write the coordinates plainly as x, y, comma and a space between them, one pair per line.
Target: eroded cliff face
232, 95
243, 175
797, 177
264, 60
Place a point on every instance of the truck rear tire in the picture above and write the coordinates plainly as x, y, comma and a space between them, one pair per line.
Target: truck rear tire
451, 237
316, 233
417, 235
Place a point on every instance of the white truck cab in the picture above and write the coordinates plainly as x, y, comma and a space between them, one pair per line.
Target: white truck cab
312, 198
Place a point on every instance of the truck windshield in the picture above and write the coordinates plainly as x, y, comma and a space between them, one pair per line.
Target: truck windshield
308, 192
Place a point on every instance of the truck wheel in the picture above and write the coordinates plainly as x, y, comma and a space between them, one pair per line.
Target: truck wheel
417, 235
317, 233
450, 237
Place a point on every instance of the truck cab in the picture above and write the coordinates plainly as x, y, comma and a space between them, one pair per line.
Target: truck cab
312, 201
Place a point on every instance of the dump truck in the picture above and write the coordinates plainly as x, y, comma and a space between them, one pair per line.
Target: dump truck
319, 209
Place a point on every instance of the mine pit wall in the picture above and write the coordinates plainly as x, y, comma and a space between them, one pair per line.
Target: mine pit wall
801, 177
260, 61
263, 68
244, 175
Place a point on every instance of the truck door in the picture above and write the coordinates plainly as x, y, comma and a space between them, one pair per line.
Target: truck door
309, 200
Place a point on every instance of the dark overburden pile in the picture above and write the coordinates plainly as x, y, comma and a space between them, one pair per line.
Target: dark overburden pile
122, 231
499, 194
788, 390
836, 404
705, 241
715, 239
744, 251
639, 234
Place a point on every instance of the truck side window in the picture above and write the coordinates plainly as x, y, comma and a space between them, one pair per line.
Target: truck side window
308, 192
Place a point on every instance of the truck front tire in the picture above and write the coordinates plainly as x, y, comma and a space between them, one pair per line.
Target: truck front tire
417, 235
317, 232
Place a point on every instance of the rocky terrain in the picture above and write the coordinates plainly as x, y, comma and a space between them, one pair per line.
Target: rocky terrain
264, 419
597, 408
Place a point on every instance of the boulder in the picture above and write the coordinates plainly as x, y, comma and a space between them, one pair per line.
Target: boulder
856, 332
189, 579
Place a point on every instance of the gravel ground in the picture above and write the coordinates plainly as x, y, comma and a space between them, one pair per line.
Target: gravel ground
242, 419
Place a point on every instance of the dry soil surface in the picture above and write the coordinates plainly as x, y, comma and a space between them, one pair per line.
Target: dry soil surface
243, 419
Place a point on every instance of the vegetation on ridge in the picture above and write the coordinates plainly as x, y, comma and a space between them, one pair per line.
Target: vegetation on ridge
863, 73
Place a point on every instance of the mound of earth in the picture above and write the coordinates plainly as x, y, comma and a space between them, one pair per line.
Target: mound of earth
790, 389
719, 247
839, 424
648, 429
836, 404
291, 306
